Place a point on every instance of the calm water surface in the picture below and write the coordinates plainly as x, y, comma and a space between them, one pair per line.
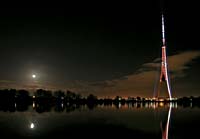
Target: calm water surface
128, 121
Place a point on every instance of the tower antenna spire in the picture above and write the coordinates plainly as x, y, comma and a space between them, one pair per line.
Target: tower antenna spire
163, 30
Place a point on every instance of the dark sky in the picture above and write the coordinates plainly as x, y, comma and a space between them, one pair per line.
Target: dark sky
87, 48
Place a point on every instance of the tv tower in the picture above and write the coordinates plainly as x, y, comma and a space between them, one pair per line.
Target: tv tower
164, 76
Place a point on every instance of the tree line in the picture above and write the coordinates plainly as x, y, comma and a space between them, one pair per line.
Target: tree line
44, 100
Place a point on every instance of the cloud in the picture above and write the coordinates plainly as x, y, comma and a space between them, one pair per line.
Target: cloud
141, 82
8, 84
177, 64
6, 81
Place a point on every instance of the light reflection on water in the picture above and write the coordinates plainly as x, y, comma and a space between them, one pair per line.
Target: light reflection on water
165, 129
139, 119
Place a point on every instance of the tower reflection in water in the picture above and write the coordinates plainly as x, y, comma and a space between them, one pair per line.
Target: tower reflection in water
165, 128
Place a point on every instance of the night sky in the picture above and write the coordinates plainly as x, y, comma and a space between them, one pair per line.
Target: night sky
100, 49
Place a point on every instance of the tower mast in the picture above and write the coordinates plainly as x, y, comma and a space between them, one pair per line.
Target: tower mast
164, 77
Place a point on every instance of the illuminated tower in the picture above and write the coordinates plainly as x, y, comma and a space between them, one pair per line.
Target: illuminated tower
164, 76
